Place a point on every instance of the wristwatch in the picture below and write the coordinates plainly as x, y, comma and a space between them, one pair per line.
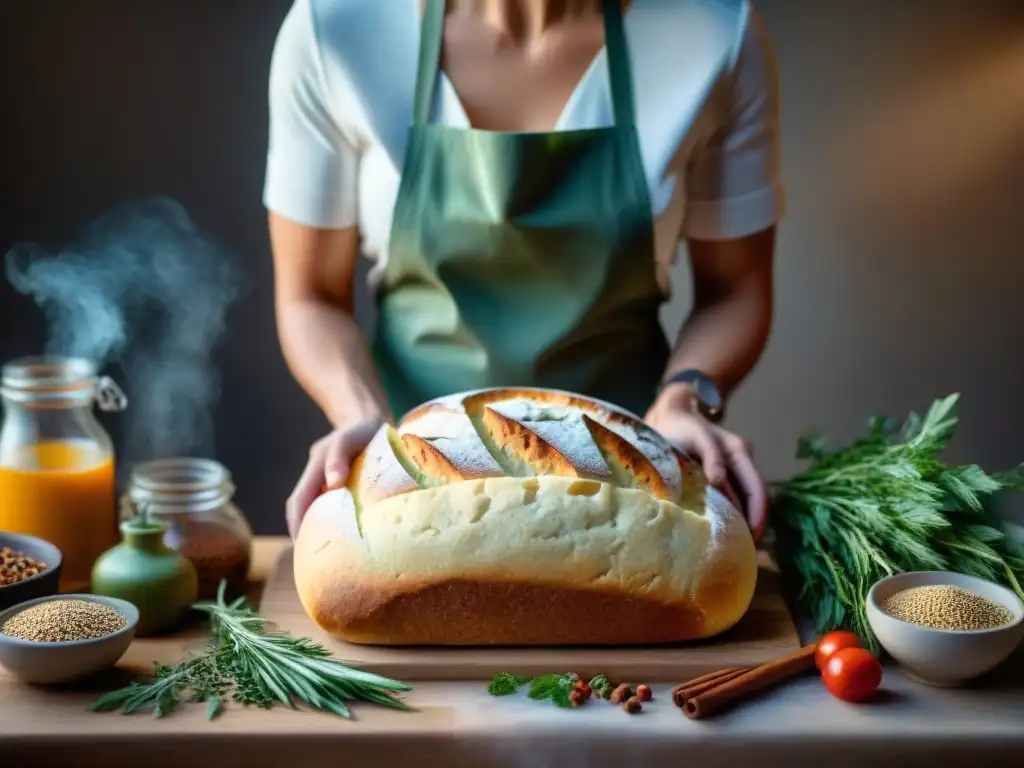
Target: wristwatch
705, 391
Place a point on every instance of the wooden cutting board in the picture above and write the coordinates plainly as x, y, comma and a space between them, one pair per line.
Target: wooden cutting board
766, 632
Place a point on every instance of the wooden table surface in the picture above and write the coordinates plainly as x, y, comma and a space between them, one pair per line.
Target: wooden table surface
766, 633
458, 724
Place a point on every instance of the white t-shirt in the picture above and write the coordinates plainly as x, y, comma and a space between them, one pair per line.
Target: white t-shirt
705, 87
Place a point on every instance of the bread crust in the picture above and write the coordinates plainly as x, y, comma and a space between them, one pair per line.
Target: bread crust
430, 547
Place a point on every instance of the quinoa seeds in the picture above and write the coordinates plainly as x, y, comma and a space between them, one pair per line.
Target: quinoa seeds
943, 606
58, 621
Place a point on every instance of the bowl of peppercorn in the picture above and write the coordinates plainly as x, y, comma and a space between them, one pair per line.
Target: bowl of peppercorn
945, 629
29, 568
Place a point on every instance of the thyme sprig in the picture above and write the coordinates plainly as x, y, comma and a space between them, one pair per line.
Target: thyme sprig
884, 504
251, 665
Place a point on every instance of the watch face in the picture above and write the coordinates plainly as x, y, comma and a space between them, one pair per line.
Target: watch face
707, 392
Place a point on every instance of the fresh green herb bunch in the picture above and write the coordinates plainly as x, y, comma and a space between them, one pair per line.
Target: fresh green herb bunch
253, 666
886, 504
601, 686
555, 687
505, 684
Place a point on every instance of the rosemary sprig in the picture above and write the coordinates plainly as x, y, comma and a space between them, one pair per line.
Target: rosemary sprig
885, 504
253, 666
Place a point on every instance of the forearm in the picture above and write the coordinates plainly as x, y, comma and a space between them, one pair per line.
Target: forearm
724, 337
326, 352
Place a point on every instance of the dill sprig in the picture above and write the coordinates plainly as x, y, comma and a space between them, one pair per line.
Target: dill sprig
884, 504
250, 665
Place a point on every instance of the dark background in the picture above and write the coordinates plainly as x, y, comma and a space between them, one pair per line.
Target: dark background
901, 263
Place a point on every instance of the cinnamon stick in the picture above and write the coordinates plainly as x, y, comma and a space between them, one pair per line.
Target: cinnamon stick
749, 683
703, 683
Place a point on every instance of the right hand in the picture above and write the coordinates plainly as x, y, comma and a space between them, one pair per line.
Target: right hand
330, 459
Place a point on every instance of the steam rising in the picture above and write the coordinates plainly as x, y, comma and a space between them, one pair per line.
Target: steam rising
144, 289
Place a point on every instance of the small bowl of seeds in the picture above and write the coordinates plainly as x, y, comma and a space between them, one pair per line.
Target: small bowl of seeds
945, 629
29, 568
61, 638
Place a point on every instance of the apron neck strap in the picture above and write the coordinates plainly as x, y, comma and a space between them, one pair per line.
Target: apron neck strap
432, 36
620, 75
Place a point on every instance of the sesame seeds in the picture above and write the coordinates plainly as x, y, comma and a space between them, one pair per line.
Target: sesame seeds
943, 606
17, 566
57, 621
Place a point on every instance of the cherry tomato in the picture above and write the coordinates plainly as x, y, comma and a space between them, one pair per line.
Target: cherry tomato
833, 642
852, 674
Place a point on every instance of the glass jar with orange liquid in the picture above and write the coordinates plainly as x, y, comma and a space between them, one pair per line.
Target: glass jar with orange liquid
57, 460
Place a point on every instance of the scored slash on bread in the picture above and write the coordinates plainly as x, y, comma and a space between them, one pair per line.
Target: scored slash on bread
523, 516
507, 433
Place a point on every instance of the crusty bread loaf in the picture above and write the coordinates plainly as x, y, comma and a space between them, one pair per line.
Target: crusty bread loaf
523, 517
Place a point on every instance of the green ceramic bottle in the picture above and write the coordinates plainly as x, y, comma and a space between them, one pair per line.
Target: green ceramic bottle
159, 581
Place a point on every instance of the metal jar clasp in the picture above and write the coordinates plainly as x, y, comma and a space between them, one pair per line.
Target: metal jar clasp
110, 397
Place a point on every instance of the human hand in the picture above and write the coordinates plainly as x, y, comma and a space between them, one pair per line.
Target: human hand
725, 457
330, 459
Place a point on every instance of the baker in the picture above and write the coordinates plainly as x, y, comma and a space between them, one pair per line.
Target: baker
520, 174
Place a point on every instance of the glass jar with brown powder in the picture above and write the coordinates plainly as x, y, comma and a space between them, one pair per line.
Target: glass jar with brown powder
193, 498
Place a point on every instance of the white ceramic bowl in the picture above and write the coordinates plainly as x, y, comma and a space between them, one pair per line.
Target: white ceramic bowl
52, 663
938, 656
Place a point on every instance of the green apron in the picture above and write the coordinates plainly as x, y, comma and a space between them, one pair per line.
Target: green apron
521, 259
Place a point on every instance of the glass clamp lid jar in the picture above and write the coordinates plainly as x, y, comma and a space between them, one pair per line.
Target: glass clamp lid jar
193, 498
57, 474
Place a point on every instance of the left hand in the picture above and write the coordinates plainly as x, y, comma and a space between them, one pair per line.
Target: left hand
725, 457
